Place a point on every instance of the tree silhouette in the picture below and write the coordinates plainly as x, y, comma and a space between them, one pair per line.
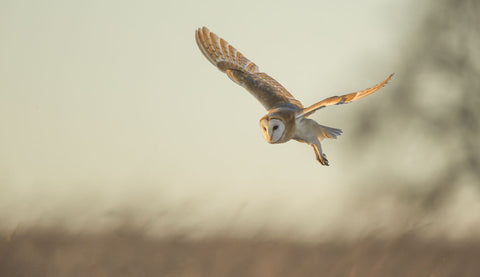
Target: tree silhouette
437, 96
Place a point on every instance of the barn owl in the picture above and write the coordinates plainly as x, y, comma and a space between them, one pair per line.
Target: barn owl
286, 118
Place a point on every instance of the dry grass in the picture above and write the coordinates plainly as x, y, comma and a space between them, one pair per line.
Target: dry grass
128, 253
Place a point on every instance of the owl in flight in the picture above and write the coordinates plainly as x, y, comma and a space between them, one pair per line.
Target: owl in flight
286, 118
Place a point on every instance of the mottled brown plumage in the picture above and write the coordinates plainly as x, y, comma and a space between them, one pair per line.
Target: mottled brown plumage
242, 71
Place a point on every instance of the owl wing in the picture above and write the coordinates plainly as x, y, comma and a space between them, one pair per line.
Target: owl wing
242, 71
344, 99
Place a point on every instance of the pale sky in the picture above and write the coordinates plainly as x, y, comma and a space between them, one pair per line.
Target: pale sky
109, 107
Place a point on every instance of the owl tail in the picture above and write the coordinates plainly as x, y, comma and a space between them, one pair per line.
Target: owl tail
327, 132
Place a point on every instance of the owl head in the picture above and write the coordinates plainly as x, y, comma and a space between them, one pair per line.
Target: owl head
278, 126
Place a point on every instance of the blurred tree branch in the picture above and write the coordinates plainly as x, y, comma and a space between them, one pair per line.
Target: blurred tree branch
444, 60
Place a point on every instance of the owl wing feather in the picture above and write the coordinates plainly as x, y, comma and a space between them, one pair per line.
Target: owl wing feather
344, 99
242, 71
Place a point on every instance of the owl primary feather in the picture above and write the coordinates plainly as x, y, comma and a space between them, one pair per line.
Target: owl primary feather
286, 117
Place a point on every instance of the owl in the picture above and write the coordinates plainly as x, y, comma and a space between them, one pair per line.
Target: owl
286, 117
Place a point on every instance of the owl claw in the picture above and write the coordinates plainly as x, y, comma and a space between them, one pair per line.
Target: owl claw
324, 160
321, 157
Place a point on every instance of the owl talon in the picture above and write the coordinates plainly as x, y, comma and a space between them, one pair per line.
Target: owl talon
324, 160
321, 157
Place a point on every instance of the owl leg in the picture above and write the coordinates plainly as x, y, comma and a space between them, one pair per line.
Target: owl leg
321, 157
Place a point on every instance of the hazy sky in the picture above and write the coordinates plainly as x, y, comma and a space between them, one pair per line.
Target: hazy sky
108, 106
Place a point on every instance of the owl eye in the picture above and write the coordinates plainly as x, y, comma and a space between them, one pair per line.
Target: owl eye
275, 127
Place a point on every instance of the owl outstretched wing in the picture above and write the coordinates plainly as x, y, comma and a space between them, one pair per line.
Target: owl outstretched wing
344, 99
242, 71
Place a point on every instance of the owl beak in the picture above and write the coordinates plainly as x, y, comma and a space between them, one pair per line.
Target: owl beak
269, 138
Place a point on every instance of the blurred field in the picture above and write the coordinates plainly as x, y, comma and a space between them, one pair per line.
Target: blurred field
129, 253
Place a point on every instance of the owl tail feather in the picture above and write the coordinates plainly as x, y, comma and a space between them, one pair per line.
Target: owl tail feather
327, 132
